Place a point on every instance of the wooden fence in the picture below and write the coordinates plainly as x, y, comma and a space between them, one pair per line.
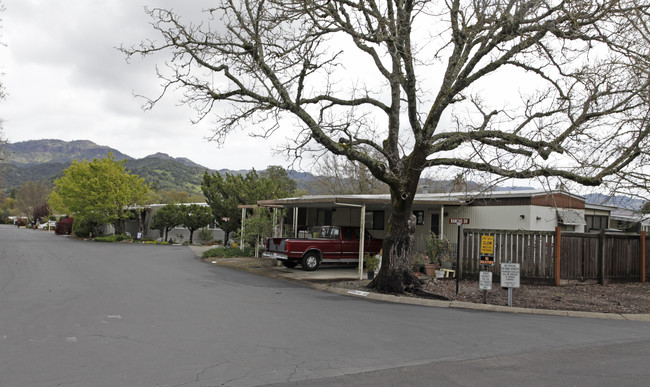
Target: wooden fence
582, 256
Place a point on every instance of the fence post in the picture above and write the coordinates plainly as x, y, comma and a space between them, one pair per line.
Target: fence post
558, 250
601, 257
642, 271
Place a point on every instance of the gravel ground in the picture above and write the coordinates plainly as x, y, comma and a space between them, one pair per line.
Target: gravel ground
608, 298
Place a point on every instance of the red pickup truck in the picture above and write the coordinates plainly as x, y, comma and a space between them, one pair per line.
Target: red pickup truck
334, 244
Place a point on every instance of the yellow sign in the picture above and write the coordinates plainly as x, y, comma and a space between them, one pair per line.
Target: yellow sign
487, 244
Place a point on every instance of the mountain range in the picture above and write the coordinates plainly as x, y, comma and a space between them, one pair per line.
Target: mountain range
45, 160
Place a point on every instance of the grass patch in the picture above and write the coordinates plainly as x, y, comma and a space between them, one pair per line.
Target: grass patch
229, 252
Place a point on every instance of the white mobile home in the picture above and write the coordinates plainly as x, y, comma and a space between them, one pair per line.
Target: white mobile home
533, 210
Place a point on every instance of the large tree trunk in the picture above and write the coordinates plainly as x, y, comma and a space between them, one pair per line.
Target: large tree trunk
396, 273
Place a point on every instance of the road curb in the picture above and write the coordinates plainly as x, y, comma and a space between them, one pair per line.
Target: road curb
438, 303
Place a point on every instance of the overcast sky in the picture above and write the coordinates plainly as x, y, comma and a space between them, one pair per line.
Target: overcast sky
66, 80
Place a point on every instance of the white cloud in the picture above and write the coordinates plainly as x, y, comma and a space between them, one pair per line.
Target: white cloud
65, 79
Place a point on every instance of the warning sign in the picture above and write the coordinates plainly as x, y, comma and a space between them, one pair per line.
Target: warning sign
487, 250
487, 260
487, 245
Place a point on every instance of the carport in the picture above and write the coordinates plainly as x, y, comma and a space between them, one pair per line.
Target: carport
369, 212
325, 202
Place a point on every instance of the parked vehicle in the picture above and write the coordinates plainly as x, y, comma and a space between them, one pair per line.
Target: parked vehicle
49, 225
335, 244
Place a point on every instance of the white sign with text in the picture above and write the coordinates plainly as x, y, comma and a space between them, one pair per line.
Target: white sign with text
510, 275
485, 280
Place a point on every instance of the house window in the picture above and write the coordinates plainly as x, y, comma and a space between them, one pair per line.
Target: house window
597, 222
375, 220
567, 227
419, 217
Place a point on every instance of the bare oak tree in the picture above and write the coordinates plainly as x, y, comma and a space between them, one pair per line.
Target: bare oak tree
32, 200
336, 175
512, 88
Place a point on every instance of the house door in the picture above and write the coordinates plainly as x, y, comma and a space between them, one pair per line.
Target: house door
435, 224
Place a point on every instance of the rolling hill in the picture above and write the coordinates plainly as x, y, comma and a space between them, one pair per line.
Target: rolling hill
45, 160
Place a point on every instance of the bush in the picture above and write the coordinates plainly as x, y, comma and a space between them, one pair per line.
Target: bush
22, 222
64, 226
83, 228
438, 249
418, 261
229, 252
371, 261
112, 238
205, 235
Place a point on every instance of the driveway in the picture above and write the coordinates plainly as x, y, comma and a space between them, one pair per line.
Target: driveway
81, 313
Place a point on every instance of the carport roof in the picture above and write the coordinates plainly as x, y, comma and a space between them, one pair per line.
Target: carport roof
571, 218
323, 200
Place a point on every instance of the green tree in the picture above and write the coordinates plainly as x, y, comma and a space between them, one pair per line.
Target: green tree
514, 89
195, 216
225, 192
166, 218
170, 196
276, 182
56, 203
99, 191
31, 197
258, 225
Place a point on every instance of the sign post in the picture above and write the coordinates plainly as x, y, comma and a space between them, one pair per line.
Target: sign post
510, 275
459, 222
486, 261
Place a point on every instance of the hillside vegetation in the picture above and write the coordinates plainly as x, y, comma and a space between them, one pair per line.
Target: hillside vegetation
45, 160
38, 152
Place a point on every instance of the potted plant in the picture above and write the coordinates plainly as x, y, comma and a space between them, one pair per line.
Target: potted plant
372, 263
440, 254
431, 265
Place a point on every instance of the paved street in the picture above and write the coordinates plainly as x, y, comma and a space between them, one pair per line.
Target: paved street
82, 313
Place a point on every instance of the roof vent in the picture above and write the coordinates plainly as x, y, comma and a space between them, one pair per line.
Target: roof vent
425, 189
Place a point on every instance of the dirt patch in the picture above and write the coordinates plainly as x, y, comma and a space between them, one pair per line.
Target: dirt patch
613, 297
608, 298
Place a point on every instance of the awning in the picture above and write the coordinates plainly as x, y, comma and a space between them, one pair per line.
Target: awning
571, 218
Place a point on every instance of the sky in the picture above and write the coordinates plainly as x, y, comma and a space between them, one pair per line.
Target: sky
65, 79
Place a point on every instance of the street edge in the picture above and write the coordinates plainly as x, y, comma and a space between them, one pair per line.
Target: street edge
442, 304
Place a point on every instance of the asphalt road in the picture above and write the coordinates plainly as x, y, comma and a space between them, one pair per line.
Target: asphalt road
81, 313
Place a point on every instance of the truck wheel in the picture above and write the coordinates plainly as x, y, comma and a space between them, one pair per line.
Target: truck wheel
310, 261
289, 264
